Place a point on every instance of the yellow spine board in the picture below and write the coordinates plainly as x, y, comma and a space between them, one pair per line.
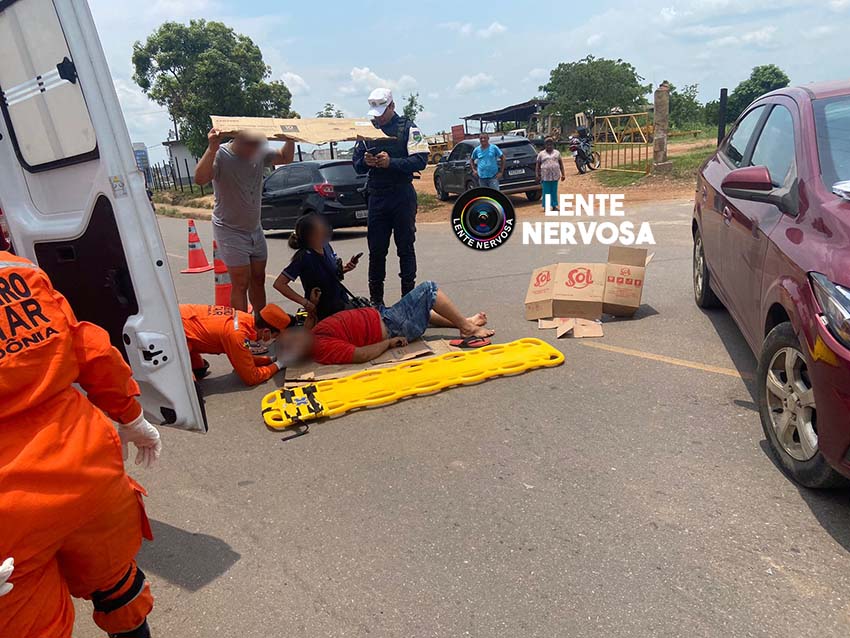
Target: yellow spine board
371, 388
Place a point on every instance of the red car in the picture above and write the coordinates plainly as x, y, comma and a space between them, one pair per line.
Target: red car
771, 235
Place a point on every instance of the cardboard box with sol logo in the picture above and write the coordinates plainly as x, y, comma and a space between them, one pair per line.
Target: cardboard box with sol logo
586, 291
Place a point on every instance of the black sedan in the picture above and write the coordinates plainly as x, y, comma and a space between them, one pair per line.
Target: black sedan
329, 187
454, 172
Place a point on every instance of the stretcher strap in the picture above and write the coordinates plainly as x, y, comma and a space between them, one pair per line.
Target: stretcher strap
370, 388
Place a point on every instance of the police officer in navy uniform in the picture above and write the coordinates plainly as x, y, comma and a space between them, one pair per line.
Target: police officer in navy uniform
391, 163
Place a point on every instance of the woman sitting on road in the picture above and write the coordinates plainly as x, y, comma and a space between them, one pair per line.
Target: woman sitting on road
318, 266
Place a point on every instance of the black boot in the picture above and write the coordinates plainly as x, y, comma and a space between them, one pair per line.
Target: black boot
143, 631
407, 286
376, 293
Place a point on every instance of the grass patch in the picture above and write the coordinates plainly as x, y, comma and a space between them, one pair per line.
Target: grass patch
616, 179
168, 211
183, 198
427, 201
686, 164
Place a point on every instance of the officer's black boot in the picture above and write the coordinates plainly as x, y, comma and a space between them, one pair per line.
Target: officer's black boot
143, 631
376, 293
407, 286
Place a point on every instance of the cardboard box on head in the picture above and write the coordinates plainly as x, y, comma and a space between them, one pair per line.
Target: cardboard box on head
317, 130
587, 290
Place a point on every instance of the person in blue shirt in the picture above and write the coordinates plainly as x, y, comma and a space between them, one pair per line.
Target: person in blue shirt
317, 266
390, 163
488, 163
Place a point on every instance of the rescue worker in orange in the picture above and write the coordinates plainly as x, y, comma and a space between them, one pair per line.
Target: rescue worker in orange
224, 330
71, 519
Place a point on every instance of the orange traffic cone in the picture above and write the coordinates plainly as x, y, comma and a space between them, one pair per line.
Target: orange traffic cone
222, 280
197, 257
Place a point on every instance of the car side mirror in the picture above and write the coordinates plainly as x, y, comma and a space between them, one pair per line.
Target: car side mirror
753, 184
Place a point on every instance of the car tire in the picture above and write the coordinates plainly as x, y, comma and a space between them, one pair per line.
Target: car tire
788, 412
703, 294
581, 166
533, 196
442, 195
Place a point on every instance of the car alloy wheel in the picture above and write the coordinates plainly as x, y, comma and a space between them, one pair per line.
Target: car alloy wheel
791, 402
699, 266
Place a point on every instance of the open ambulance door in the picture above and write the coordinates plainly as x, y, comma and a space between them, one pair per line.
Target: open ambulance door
75, 202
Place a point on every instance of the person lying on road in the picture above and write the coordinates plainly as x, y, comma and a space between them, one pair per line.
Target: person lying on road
363, 334
317, 265
224, 330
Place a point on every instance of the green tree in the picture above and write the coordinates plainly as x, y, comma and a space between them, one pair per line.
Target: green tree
596, 84
330, 110
711, 112
412, 106
206, 68
685, 109
763, 79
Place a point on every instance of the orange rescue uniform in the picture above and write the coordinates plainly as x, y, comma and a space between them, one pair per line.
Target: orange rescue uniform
69, 514
223, 330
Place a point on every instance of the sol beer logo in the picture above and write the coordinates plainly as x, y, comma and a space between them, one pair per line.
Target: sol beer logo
579, 278
542, 279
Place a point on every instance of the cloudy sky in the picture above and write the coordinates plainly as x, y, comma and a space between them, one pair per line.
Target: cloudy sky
464, 57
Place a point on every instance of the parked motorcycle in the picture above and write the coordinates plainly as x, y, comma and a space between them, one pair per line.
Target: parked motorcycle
581, 146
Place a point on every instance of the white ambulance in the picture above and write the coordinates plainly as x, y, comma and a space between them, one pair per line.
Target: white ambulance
75, 203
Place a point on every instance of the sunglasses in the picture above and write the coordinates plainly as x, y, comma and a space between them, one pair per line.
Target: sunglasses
377, 103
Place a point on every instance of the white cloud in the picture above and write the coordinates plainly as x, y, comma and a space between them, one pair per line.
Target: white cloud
471, 83
538, 73
818, 32
465, 28
839, 5
495, 28
594, 39
758, 38
363, 80
297, 85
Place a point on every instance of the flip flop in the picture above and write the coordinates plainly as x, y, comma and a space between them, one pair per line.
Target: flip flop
470, 342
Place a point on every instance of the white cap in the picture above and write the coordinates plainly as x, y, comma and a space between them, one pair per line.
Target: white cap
379, 100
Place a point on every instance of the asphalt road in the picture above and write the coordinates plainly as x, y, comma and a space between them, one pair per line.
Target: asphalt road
625, 493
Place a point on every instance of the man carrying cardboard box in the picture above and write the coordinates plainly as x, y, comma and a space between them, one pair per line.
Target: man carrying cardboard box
236, 171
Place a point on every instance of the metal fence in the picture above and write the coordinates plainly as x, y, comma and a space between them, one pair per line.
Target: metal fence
624, 142
167, 176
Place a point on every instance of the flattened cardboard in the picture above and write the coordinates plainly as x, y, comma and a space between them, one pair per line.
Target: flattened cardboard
313, 371
316, 130
575, 328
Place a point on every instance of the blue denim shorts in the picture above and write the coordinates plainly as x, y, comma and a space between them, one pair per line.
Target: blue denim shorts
410, 316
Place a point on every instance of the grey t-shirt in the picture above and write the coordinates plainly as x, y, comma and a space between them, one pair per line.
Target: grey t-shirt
238, 186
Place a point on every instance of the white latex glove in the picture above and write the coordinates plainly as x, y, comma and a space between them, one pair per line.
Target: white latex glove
144, 436
6, 569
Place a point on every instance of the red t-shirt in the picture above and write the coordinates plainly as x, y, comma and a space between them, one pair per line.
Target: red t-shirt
335, 338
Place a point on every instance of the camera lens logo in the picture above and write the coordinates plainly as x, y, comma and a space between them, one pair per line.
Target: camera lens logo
483, 218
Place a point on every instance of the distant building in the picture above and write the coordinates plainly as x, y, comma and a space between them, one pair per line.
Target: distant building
181, 159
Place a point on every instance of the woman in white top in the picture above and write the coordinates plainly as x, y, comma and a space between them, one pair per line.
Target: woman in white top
550, 169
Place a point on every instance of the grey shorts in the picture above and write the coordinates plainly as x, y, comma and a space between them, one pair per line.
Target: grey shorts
240, 247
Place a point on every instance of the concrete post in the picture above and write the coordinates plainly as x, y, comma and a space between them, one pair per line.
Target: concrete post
661, 121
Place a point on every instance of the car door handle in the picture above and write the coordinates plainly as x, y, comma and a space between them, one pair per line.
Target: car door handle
727, 215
